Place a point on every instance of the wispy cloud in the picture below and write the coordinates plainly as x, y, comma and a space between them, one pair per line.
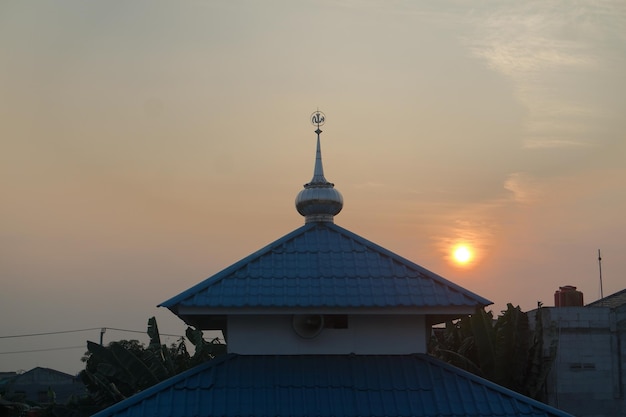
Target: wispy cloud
520, 39
547, 142
524, 188
548, 50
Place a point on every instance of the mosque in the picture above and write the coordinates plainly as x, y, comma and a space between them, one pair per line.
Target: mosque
323, 322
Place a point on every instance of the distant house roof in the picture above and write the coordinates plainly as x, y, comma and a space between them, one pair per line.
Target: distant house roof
40, 380
322, 265
6, 375
328, 385
613, 301
42, 375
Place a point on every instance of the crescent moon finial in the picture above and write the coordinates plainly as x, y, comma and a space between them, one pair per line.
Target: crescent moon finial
318, 119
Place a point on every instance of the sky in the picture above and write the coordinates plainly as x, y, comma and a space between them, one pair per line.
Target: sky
147, 145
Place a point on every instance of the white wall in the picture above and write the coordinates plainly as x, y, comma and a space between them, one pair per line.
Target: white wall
366, 334
587, 378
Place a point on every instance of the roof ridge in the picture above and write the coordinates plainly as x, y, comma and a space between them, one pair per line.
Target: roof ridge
317, 236
404, 260
213, 279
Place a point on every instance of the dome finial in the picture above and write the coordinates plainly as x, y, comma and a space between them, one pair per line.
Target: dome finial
319, 201
318, 119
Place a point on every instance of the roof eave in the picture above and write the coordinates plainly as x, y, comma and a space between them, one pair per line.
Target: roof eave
215, 318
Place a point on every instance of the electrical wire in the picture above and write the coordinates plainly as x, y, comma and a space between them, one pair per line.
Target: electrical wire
137, 331
83, 330
49, 333
70, 331
44, 350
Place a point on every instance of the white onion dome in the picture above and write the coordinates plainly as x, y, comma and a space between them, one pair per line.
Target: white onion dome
319, 201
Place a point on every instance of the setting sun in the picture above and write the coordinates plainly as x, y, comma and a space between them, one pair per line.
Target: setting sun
462, 254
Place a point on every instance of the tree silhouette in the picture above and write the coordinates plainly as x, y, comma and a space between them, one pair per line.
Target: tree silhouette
123, 368
505, 350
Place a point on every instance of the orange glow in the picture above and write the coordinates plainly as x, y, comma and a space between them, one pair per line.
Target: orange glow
462, 254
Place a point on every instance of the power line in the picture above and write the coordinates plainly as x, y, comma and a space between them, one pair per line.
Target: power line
83, 330
44, 350
50, 333
137, 331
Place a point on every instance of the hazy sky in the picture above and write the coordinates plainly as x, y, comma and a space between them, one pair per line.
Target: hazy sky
146, 145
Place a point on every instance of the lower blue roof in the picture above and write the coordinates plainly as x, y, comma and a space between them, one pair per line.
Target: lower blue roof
328, 385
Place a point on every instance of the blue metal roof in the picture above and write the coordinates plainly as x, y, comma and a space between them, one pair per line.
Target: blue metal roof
615, 300
328, 385
324, 265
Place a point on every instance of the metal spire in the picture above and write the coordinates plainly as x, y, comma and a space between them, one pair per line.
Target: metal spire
318, 118
319, 201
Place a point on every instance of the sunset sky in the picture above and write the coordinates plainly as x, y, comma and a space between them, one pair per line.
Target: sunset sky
146, 145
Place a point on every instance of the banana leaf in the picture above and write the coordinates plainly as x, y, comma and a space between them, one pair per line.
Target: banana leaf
153, 332
512, 346
135, 368
484, 341
540, 358
107, 392
100, 352
158, 356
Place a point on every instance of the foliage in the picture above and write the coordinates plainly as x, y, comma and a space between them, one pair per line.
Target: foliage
504, 350
19, 406
123, 368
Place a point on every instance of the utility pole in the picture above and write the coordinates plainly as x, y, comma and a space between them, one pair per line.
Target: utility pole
600, 268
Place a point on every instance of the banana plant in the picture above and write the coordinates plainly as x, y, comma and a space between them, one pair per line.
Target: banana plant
124, 368
504, 351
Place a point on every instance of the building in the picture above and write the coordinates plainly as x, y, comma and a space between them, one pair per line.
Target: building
42, 386
323, 322
589, 369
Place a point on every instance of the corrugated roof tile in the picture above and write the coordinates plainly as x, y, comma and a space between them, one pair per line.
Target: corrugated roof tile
328, 385
614, 301
325, 258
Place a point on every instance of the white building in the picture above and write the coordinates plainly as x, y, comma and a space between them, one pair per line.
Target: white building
589, 369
